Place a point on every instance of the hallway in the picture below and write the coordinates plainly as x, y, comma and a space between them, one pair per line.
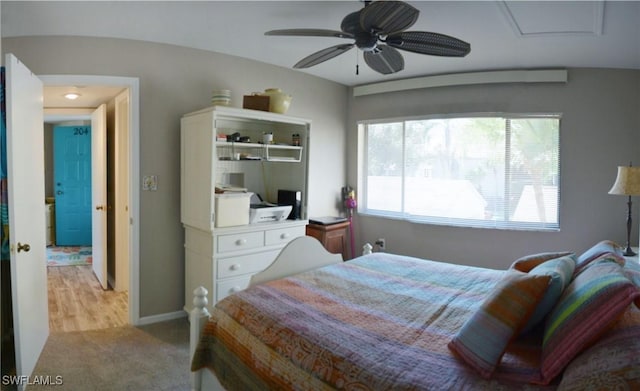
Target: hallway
77, 302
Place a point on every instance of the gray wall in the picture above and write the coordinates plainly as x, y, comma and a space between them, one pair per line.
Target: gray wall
173, 81
600, 129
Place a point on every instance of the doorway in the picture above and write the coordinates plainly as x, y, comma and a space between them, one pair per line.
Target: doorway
25, 170
77, 260
122, 204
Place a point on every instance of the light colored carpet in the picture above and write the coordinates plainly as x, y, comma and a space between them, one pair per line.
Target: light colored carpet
152, 357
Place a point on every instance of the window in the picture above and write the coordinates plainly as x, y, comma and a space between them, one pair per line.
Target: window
484, 171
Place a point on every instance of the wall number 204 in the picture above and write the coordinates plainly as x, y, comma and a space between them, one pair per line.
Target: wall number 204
80, 131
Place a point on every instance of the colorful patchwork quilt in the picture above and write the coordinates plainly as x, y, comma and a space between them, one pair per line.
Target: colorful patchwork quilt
379, 322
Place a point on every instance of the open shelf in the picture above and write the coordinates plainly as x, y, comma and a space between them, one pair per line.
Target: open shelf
256, 151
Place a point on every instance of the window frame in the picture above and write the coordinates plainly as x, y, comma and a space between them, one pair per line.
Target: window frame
362, 177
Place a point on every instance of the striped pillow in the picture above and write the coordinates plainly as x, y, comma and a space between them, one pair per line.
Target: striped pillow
528, 262
632, 271
483, 338
560, 270
588, 307
596, 251
612, 362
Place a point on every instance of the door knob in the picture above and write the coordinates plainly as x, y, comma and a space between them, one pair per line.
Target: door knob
23, 247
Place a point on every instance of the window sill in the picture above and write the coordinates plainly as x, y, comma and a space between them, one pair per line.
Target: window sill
502, 226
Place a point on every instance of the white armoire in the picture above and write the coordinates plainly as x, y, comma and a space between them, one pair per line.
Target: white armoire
223, 258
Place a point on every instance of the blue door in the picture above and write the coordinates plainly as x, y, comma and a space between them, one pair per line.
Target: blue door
72, 184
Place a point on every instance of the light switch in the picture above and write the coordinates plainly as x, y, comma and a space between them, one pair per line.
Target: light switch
150, 182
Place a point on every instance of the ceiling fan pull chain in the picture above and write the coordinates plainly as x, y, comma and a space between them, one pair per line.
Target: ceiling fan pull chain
357, 64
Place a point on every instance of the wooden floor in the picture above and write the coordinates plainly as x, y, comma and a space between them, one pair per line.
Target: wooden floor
77, 302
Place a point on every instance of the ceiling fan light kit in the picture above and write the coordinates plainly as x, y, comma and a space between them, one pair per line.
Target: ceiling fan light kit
378, 31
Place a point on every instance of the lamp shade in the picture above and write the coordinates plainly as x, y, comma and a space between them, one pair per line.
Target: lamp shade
627, 182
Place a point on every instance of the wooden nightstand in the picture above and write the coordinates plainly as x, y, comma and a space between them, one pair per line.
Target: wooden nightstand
334, 237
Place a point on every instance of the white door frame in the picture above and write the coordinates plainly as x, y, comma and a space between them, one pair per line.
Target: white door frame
133, 84
121, 197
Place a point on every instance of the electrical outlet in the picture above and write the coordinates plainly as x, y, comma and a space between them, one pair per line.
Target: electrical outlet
381, 243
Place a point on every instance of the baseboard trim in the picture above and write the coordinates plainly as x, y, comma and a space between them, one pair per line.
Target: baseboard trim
161, 318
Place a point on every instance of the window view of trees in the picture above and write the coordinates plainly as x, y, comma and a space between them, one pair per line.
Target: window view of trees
487, 171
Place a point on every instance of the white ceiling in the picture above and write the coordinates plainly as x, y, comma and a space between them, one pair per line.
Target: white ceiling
503, 35
89, 96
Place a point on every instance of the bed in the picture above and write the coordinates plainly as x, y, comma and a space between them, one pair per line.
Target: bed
391, 322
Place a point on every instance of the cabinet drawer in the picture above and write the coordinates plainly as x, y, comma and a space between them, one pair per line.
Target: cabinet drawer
240, 241
227, 288
252, 263
282, 236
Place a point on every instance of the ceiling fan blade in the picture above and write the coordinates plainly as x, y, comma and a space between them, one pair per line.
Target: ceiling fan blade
384, 59
386, 17
424, 42
351, 23
310, 33
323, 55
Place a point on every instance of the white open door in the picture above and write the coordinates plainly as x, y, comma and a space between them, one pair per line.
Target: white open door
25, 177
99, 193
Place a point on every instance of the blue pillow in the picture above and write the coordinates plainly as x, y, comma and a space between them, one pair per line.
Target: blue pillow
561, 270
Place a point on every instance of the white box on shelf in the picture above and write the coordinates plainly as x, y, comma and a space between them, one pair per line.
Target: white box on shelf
232, 209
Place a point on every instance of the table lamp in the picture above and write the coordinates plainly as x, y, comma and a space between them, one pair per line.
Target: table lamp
627, 183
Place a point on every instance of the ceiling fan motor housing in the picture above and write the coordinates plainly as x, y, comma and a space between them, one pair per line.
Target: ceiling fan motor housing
366, 41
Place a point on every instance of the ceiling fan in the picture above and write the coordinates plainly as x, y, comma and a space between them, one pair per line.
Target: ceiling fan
378, 30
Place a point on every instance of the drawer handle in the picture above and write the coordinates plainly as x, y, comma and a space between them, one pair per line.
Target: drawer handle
235, 266
241, 242
235, 289
285, 235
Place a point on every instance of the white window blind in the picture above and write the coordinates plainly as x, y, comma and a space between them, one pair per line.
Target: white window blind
485, 171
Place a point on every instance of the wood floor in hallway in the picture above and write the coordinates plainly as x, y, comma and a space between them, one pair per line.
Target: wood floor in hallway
77, 302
